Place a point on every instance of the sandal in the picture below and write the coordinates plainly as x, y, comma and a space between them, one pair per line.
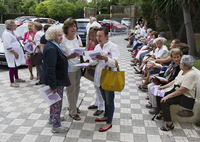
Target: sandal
98, 112
163, 128
78, 110
92, 107
159, 117
38, 83
31, 77
76, 117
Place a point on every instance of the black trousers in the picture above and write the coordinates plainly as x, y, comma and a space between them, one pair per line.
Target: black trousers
165, 106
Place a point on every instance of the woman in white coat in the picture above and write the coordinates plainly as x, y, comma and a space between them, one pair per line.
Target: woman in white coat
14, 52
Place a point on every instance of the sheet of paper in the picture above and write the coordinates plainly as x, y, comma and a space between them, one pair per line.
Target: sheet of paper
82, 65
28, 47
79, 50
49, 97
87, 54
94, 54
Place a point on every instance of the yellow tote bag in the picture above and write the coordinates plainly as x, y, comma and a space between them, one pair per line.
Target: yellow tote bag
113, 81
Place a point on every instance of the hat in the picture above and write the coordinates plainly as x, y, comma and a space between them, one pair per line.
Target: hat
162, 34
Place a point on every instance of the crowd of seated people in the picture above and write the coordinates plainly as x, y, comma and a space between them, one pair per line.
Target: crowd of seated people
160, 67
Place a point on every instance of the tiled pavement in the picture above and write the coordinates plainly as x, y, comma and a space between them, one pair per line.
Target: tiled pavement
24, 114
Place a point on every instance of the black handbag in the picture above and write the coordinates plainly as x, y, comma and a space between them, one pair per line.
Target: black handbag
187, 102
36, 58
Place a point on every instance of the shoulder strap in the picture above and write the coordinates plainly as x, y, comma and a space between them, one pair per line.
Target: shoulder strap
77, 37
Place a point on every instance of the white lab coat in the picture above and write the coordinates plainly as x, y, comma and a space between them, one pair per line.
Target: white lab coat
10, 43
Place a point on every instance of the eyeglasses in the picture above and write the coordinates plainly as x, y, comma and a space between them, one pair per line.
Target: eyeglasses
93, 28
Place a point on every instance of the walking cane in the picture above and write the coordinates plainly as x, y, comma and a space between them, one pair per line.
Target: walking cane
157, 111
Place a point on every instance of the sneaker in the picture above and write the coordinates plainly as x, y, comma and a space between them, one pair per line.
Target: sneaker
61, 119
60, 129
14, 85
19, 80
137, 69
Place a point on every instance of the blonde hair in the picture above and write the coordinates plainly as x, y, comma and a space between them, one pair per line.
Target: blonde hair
37, 26
175, 51
52, 32
92, 30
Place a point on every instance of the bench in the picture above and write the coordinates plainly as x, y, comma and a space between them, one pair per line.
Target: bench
196, 110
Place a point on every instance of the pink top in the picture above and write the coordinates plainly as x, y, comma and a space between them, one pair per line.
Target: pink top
90, 47
26, 36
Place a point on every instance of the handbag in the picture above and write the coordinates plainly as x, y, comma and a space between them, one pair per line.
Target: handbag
113, 80
89, 73
36, 58
187, 102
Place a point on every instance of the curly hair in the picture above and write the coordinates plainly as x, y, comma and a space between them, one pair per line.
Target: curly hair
9, 24
69, 22
52, 32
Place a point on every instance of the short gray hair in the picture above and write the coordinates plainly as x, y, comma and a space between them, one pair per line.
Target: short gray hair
149, 30
9, 24
187, 61
93, 19
52, 32
163, 40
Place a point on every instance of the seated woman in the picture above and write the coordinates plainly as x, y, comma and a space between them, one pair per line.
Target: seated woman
187, 80
148, 48
170, 74
159, 52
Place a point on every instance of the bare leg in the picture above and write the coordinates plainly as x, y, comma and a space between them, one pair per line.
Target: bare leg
31, 71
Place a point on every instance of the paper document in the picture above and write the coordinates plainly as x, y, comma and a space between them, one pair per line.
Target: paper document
161, 78
79, 50
49, 97
94, 54
156, 64
28, 47
82, 65
87, 53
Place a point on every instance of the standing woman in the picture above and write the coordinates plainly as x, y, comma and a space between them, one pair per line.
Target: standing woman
110, 53
71, 41
13, 51
29, 35
98, 102
55, 74
37, 28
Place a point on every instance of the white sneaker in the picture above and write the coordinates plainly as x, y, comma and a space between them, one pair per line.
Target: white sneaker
60, 129
14, 85
61, 119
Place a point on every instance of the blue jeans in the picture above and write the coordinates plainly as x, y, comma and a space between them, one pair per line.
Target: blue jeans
108, 97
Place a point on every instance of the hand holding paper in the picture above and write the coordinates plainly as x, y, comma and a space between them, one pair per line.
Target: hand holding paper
79, 50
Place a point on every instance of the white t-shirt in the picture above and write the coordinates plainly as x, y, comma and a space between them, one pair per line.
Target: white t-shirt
88, 27
37, 38
95, 23
160, 52
67, 46
189, 81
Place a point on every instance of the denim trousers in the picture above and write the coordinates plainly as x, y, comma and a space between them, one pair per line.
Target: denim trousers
55, 109
108, 97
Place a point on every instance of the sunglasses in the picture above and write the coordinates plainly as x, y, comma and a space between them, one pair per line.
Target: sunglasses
93, 28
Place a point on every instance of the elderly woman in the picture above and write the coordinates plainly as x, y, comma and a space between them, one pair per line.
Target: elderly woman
98, 102
37, 28
14, 52
55, 74
29, 35
110, 53
169, 74
187, 80
71, 41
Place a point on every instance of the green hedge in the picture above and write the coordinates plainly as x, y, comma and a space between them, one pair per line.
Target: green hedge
11, 16
107, 16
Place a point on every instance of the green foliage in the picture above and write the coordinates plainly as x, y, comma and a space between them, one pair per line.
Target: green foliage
11, 16
2, 8
103, 16
197, 65
60, 9
42, 9
148, 13
32, 10
27, 5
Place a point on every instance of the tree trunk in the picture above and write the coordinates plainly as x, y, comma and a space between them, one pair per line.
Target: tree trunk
189, 29
171, 26
1, 18
181, 35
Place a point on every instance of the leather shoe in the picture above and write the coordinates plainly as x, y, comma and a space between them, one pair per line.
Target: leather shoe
148, 106
152, 111
98, 120
103, 130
